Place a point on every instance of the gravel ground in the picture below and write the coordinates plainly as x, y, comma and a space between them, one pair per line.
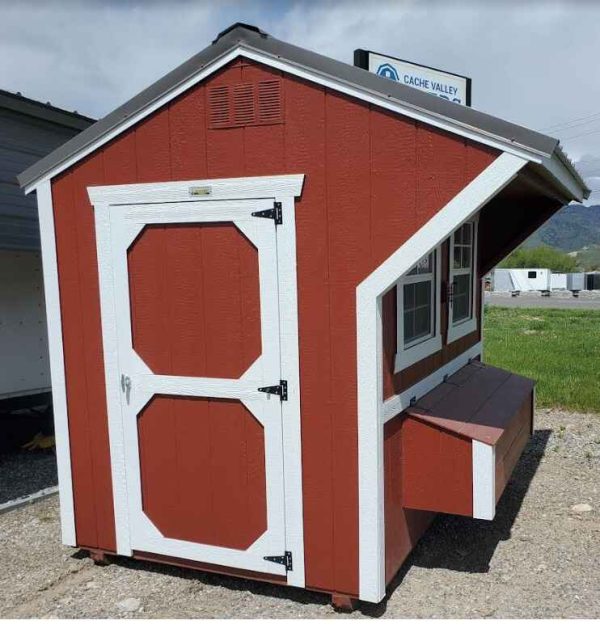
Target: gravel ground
539, 558
25, 472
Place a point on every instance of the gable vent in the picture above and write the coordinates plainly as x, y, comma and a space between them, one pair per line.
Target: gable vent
245, 104
269, 102
218, 100
244, 112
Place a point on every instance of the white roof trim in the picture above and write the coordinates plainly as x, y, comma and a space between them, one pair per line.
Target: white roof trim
567, 181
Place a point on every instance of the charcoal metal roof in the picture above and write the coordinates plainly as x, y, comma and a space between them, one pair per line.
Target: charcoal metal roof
46, 111
252, 38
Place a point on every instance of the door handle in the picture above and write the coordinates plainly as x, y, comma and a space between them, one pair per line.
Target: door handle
126, 386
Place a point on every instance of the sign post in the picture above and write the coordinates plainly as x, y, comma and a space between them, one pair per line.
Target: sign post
449, 86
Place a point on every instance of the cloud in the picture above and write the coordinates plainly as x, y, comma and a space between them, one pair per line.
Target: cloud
533, 63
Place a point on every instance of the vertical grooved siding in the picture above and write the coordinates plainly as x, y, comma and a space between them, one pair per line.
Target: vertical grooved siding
372, 178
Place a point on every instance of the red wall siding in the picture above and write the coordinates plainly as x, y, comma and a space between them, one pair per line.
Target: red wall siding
437, 469
403, 527
372, 178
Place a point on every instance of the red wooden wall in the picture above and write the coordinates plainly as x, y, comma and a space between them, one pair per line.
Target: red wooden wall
372, 179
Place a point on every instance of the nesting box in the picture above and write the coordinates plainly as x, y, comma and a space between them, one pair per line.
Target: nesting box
263, 280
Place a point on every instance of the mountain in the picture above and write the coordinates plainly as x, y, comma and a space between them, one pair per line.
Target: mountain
570, 229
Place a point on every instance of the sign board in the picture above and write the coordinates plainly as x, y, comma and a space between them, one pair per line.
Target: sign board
449, 86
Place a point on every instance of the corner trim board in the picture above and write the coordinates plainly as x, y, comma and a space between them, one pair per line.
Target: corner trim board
57, 362
484, 480
369, 360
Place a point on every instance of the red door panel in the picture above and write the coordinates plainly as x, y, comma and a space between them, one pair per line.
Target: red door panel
195, 301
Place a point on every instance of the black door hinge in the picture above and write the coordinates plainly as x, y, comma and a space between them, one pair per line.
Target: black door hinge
285, 560
280, 390
272, 213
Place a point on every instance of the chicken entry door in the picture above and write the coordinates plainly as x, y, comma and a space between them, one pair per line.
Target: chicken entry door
196, 318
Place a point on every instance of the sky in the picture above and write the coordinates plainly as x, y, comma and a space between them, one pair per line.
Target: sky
534, 62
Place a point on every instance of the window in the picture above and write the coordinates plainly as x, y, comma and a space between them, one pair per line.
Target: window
461, 313
418, 295
532, 274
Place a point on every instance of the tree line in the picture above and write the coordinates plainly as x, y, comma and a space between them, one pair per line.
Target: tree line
540, 257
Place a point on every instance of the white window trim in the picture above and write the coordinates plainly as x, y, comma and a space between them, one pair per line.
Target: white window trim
469, 325
405, 357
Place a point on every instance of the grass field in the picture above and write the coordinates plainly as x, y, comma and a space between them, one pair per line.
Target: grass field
560, 349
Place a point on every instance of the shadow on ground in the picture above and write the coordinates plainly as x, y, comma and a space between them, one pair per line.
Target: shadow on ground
463, 544
25, 472
452, 542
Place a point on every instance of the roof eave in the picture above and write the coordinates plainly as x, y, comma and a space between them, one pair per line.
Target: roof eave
300, 63
47, 112
243, 48
562, 172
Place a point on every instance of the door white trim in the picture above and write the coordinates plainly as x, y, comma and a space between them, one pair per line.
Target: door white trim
126, 222
290, 370
269, 187
57, 362
107, 199
369, 354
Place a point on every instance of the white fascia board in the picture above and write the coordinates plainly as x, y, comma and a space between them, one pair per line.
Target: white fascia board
371, 526
334, 83
563, 175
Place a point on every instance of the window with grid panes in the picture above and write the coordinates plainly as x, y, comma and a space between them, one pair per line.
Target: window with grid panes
418, 305
462, 273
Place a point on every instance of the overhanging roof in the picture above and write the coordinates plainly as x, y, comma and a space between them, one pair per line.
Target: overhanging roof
25, 105
250, 41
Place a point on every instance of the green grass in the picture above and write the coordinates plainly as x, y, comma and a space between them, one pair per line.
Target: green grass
560, 349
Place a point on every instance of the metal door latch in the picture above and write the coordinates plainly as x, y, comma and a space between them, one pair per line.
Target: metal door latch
126, 386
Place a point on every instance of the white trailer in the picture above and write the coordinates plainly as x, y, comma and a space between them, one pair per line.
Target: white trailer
29, 130
24, 370
558, 281
521, 280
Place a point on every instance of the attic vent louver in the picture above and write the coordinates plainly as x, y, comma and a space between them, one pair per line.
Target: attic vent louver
269, 101
245, 104
218, 99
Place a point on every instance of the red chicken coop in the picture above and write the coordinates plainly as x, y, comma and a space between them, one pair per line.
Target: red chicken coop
263, 283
